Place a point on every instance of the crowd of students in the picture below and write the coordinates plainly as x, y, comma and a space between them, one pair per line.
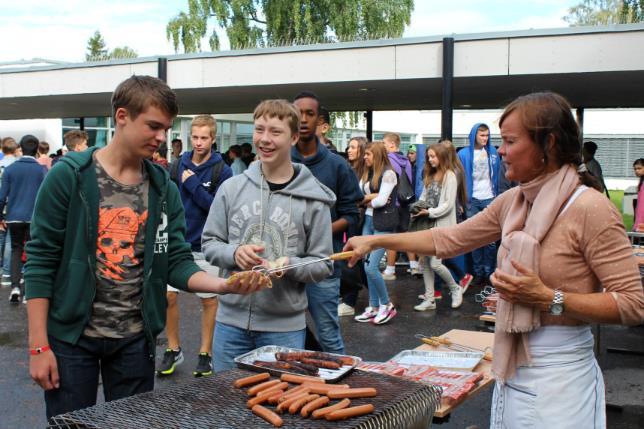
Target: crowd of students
117, 232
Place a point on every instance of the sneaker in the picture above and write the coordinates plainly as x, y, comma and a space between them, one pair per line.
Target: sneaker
385, 314
24, 300
14, 296
416, 272
345, 310
367, 316
6, 280
171, 359
466, 281
457, 296
388, 276
437, 296
204, 365
426, 305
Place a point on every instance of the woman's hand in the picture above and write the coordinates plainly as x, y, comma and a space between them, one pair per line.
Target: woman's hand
421, 213
525, 288
361, 247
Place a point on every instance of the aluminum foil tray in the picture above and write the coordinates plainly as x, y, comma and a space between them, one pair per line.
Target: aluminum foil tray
452, 360
267, 353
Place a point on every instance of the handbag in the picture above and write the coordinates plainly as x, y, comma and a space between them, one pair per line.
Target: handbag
385, 219
405, 194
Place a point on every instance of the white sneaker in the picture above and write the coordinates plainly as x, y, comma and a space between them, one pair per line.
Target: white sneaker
14, 296
426, 305
385, 314
367, 316
6, 280
345, 310
388, 276
416, 272
457, 296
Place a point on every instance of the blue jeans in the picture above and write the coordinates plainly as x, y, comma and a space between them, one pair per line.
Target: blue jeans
125, 365
5, 252
484, 258
231, 342
378, 294
324, 298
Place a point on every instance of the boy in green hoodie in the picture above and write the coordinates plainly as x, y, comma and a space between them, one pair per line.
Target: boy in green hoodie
107, 236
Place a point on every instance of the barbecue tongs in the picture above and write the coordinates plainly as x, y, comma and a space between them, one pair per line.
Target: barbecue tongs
279, 270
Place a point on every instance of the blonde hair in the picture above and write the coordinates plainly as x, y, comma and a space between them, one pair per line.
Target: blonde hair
205, 121
436, 173
394, 137
379, 166
358, 165
280, 109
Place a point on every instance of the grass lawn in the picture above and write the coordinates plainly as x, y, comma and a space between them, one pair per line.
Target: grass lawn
616, 197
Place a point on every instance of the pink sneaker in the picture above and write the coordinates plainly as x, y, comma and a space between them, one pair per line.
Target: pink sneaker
385, 314
465, 282
367, 316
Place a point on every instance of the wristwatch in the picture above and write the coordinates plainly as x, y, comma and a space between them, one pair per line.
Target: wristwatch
557, 306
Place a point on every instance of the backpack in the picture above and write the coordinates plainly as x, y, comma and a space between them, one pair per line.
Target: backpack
405, 192
216, 172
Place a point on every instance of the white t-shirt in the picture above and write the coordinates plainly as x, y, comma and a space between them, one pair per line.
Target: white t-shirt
482, 186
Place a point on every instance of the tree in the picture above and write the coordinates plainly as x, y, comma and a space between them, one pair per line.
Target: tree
122, 52
95, 47
606, 12
254, 23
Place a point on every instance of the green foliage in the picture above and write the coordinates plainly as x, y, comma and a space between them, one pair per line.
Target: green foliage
616, 197
606, 12
95, 47
261, 23
122, 52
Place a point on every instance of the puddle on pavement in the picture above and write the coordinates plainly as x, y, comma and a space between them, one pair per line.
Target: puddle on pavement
9, 338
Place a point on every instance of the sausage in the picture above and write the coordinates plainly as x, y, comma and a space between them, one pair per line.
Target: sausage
275, 396
297, 405
281, 366
361, 392
308, 355
282, 406
310, 369
323, 389
253, 379
259, 387
265, 394
328, 364
320, 413
294, 392
299, 379
347, 413
314, 405
268, 415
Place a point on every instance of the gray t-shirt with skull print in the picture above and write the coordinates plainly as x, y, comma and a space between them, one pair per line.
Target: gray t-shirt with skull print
123, 212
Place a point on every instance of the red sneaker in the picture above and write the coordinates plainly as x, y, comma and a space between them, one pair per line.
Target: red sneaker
465, 282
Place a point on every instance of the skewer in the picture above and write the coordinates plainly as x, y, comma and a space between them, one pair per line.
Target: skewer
447, 343
278, 270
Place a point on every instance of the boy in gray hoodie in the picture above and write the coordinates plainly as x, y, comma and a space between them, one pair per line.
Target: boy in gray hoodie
274, 209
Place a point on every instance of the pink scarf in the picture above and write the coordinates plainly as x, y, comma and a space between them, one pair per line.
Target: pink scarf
529, 219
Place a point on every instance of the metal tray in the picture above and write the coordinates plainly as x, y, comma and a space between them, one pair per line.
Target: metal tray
452, 360
267, 353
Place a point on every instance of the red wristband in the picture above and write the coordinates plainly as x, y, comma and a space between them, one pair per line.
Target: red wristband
39, 350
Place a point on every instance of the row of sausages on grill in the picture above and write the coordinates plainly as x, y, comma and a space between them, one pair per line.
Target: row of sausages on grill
310, 397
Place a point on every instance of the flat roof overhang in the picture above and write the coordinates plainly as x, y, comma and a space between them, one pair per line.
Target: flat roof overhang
594, 68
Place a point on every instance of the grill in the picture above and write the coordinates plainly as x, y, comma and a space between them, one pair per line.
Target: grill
212, 402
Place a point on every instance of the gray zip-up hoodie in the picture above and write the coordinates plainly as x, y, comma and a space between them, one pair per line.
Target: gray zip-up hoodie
293, 222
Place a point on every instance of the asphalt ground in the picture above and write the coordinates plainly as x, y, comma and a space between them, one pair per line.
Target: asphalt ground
22, 405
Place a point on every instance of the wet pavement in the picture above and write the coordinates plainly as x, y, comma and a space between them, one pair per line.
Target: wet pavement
22, 405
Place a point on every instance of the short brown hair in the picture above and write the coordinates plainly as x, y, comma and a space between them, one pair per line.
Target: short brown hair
137, 93
205, 121
393, 137
9, 146
74, 137
43, 148
281, 109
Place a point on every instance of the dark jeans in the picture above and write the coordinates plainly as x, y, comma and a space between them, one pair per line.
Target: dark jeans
484, 258
125, 366
19, 232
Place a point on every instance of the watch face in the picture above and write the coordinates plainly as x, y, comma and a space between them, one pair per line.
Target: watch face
556, 309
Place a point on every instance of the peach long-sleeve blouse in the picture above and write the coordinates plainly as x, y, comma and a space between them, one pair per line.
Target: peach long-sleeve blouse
585, 251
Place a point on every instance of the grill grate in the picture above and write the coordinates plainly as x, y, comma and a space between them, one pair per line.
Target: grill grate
212, 402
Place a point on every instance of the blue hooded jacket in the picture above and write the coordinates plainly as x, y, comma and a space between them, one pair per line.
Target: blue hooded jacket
336, 174
195, 196
466, 156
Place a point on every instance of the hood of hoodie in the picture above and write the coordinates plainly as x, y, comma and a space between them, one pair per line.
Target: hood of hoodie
321, 154
472, 139
467, 158
201, 169
399, 162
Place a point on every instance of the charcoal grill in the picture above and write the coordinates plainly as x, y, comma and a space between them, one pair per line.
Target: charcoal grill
213, 402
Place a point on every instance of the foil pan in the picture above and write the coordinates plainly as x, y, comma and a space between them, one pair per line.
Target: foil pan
267, 353
452, 360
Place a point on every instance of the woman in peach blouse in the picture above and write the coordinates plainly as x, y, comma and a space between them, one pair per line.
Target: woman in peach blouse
565, 261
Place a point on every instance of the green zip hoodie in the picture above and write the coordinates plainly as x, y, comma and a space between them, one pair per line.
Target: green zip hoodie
61, 256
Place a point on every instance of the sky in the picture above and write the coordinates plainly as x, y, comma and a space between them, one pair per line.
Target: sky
59, 30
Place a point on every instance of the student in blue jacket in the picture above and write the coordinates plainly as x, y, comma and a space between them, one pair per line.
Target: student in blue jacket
481, 167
